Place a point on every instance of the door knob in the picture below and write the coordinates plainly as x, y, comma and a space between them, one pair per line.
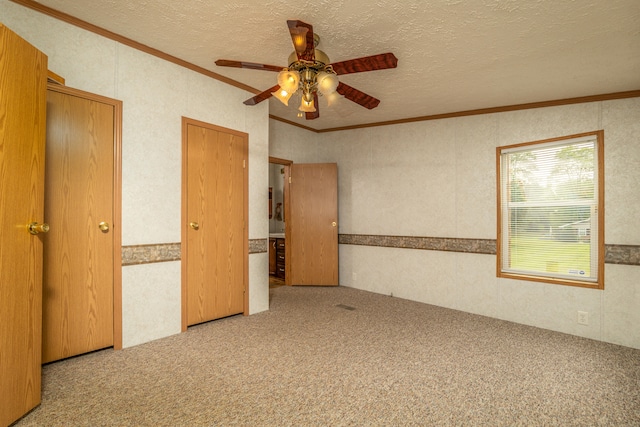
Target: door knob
194, 225
104, 227
35, 228
333, 224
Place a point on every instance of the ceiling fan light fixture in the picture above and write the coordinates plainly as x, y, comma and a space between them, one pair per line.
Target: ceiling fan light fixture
307, 106
332, 98
327, 83
289, 80
299, 38
310, 73
308, 95
282, 95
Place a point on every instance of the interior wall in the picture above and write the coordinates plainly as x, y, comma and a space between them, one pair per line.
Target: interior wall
276, 182
155, 94
292, 143
438, 179
433, 178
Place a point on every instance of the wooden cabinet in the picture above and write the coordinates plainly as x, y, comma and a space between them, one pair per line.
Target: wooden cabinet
272, 256
276, 257
280, 259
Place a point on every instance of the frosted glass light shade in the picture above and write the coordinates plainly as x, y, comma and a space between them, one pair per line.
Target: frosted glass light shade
289, 80
299, 38
332, 98
282, 95
307, 106
327, 82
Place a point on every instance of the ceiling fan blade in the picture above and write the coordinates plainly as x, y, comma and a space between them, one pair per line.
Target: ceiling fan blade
366, 63
315, 114
249, 65
261, 96
357, 96
302, 38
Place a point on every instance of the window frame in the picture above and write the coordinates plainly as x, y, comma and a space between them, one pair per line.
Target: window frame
599, 147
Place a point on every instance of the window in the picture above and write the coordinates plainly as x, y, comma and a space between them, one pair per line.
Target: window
550, 210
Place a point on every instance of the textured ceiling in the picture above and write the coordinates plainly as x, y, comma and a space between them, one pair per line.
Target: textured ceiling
453, 55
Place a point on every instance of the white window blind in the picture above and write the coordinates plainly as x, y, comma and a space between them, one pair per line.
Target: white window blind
549, 209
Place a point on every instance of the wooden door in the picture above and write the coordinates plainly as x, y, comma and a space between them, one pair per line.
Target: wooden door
312, 226
215, 238
23, 80
78, 299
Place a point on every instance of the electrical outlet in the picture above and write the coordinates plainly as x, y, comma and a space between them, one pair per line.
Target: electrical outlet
583, 318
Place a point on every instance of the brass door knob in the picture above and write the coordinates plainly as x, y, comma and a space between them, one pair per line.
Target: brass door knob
194, 225
104, 227
333, 224
35, 228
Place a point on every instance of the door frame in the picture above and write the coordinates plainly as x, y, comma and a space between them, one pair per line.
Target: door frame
287, 211
184, 228
117, 200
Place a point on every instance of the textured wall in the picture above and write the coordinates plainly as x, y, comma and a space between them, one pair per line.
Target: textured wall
438, 179
155, 94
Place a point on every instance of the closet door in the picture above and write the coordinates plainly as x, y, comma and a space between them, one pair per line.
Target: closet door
78, 299
214, 233
23, 80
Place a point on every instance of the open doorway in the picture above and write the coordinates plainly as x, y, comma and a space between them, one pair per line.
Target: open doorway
278, 206
303, 246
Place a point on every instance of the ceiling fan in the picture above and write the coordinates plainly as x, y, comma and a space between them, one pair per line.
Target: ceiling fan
311, 72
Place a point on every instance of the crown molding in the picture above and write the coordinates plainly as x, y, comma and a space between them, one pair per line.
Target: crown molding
491, 110
162, 55
129, 42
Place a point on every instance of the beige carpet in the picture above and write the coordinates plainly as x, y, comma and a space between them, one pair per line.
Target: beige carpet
339, 356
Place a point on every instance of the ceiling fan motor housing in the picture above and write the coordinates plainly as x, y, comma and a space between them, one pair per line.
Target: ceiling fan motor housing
309, 70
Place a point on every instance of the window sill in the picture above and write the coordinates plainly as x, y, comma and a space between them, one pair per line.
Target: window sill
556, 281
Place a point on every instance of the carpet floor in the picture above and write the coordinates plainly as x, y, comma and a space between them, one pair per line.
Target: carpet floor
345, 357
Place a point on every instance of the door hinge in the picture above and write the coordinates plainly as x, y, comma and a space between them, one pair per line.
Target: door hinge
289, 180
244, 164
